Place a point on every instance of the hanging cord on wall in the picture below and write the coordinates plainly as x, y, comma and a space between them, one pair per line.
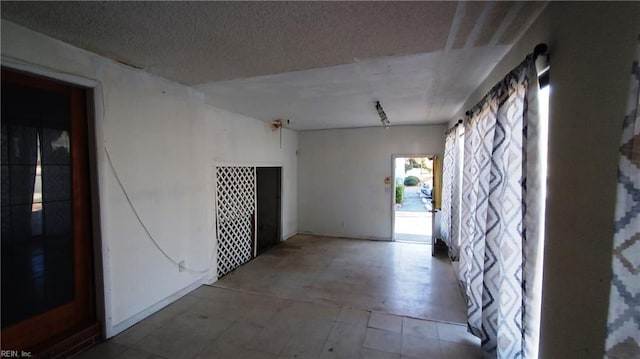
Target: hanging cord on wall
146, 230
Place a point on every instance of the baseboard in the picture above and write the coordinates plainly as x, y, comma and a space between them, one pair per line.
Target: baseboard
67, 344
289, 236
211, 280
129, 322
368, 238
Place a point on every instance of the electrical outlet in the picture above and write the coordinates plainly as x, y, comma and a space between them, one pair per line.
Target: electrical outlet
181, 266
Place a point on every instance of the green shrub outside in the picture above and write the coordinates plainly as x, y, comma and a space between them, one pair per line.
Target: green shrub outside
411, 181
399, 193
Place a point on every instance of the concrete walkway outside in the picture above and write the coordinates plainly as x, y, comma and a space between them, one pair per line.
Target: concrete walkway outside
412, 200
413, 222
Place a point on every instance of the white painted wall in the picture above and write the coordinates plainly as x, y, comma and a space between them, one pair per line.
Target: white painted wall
240, 140
341, 176
591, 50
164, 141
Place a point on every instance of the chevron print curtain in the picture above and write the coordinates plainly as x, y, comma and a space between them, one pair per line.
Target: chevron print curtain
447, 182
456, 189
623, 325
450, 218
499, 221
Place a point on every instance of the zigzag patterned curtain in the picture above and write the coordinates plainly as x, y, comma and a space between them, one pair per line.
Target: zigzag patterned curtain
500, 209
447, 183
451, 179
623, 325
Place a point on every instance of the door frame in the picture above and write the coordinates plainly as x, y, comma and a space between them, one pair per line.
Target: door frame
97, 173
393, 188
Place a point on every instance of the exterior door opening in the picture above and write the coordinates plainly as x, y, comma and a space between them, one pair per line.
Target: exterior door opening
413, 198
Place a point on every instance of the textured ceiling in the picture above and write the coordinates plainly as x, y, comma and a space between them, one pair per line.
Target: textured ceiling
413, 89
320, 64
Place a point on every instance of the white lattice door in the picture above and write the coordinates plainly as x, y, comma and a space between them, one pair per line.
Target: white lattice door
235, 216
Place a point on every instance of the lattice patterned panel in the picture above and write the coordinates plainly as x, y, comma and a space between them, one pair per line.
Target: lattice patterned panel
236, 207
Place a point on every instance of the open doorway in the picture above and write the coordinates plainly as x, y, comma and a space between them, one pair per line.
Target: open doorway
413, 198
269, 207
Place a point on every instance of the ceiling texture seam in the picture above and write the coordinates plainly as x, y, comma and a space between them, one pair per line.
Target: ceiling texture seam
508, 19
479, 26
319, 64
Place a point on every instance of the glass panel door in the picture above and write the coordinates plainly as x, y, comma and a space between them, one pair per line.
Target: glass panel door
37, 251
46, 237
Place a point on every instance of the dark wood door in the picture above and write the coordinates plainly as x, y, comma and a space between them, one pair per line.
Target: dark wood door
268, 198
47, 270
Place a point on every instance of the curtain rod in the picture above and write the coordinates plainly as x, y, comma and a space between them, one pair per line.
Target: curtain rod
454, 126
540, 49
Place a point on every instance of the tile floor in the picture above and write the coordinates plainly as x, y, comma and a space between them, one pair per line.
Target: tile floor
391, 277
313, 297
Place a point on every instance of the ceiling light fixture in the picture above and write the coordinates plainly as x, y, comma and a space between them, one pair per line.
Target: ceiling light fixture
383, 116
